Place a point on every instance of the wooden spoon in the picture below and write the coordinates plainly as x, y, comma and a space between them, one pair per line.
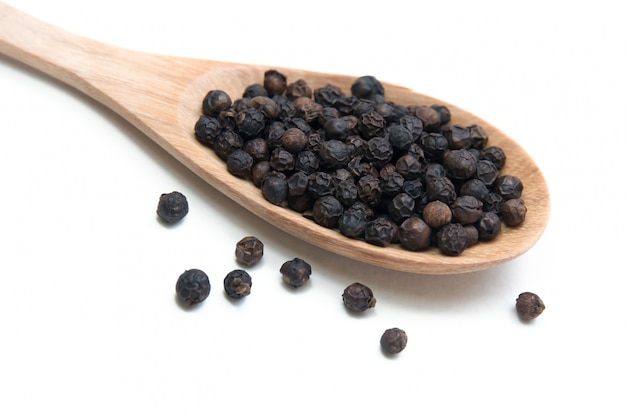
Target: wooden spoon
161, 96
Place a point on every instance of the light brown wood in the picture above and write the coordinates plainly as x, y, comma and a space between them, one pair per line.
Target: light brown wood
161, 96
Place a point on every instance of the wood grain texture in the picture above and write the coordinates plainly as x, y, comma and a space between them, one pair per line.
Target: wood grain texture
161, 96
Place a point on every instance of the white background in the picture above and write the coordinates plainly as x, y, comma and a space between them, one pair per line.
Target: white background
89, 325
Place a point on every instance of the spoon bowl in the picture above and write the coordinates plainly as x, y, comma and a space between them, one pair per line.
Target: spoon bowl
161, 96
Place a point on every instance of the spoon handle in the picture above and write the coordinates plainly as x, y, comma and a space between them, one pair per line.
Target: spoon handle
128, 82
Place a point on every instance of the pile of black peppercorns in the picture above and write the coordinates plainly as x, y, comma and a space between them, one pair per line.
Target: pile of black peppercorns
364, 165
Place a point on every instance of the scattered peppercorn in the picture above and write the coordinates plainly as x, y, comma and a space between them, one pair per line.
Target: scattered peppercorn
237, 283
393, 341
193, 286
529, 306
296, 272
319, 151
172, 207
249, 250
358, 297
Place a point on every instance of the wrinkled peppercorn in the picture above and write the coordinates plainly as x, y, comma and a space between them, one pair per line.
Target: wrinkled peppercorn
452, 239
381, 231
529, 306
513, 212
358, 297
393, 341
237, 283
296, 272
353, 220
466, 209
193, 286
489, 226
508, 186
172, 207
249, 250
327, 210
239, 163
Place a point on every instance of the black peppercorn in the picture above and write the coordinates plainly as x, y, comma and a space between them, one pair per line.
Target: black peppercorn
476, 188
337, 128
486, 171
250, 122
260, 170
215, 101
391, 181
193, 286
459, 137
508, 186
371, 124
367, 87
369, 190
275, 189
442, 189
257, 148
353, 220
358, 297
307, 162
381, 231
452, 239
401, 207
460, 164
409, 166
444, 113
437, 214
274, 82
206, 129
529, 306
466, 209
414, 234
513, 212
296, 272
249, 250
494, 154
237, 283
430, 117
255, 90
326, 211
327, 95
299, 88
321, 184
488, 226
393, 341
172, 207
266, 105
479, 136
400, 137
282, 160
226, 142
493, 202
297, 183
333, 154
239, 163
